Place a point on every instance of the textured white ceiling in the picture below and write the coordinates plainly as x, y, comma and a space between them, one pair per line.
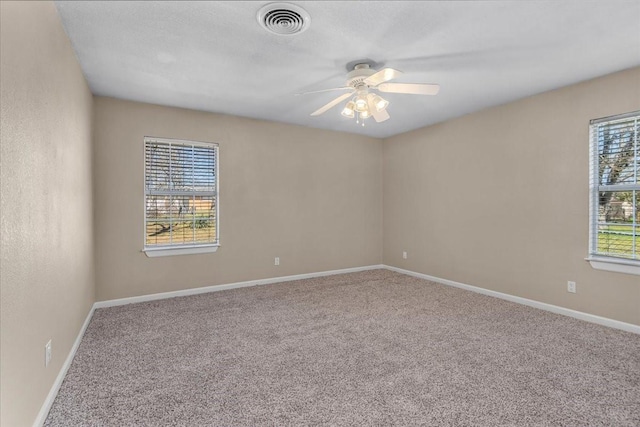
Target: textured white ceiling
214, 56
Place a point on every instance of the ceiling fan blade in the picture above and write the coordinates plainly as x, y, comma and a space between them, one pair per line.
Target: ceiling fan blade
379, 116
331, 104
411, 88
382, 76
325, 90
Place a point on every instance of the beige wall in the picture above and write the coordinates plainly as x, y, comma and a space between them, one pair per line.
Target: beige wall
499, 199
46, 280
311, 197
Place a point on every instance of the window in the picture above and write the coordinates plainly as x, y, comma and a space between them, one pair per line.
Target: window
615, 193
181, 197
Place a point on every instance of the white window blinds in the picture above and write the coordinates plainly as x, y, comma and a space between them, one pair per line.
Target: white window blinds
181, 193
615, 186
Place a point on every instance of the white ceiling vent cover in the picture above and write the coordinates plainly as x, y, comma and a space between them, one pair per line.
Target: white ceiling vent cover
284, 19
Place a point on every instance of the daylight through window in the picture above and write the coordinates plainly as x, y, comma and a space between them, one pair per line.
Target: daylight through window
181, 194
615, 187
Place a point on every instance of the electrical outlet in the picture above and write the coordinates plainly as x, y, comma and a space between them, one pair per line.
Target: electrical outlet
277, 261
571, 287
404, 255
47, 353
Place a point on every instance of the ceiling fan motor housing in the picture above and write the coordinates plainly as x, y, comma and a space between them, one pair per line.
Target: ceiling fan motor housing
360, 72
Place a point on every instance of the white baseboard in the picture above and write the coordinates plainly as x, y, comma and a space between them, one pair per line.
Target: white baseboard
524, 301
216, 288
53, 392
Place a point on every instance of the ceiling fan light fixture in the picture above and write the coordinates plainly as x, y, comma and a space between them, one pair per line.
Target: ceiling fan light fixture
365, 114
380, 103
348, 110
361, 104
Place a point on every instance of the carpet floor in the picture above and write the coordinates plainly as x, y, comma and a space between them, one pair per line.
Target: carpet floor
373, 348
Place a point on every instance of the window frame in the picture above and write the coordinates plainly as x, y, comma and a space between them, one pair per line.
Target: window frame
598, 260
191, 248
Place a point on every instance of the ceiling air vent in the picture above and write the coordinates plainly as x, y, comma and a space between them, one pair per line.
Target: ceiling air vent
284, 19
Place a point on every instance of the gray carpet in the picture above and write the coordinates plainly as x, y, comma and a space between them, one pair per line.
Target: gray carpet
371, 348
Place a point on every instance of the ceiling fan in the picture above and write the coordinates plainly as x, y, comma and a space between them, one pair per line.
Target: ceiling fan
361, 83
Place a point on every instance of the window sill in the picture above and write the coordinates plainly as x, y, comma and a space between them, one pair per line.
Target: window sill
615, 264
188, 250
